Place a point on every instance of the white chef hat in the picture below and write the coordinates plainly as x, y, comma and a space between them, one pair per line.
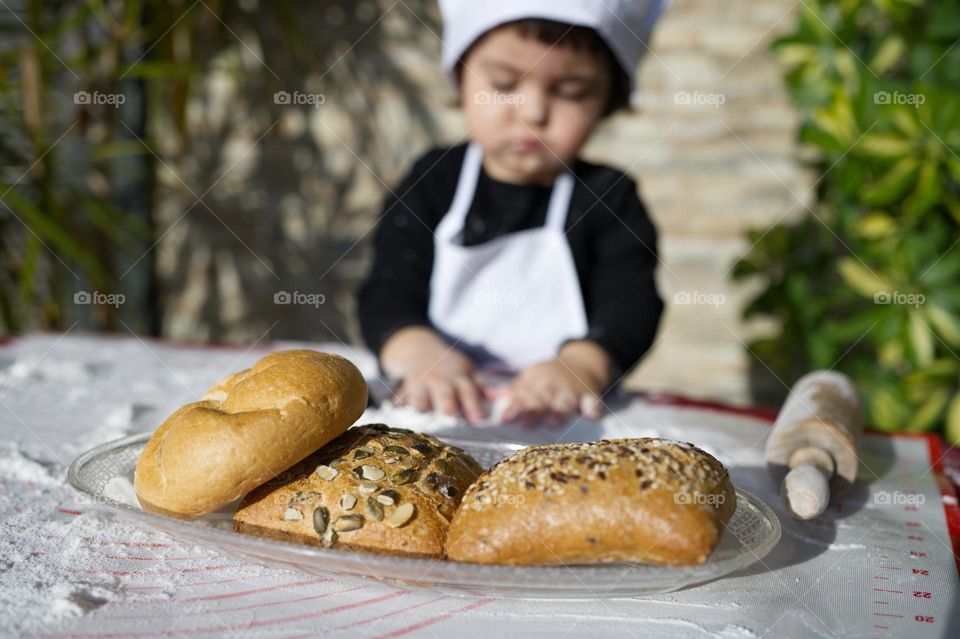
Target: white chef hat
625, 25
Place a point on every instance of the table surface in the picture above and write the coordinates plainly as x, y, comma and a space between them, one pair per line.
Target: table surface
68, 568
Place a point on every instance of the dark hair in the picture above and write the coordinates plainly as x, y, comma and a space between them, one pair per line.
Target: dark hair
553, 33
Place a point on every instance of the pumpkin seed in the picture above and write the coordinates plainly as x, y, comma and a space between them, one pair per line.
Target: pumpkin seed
403, 477
348, 501
408, 462
388, 497
431, 481
329, 538
374, 509
326, 473
367, 487
362, 453
320, 519
400, 515
292, 514
423, 448
371, 472
396, 450
345, 523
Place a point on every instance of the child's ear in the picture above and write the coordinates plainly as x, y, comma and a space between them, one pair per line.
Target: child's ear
452, 98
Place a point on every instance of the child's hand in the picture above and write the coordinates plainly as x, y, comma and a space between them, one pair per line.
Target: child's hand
433, 375
556, 389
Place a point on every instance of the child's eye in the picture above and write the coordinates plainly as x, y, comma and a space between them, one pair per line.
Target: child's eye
572, 95
503, 86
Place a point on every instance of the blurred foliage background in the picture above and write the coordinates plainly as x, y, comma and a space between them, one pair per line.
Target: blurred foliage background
143, 153
869, 282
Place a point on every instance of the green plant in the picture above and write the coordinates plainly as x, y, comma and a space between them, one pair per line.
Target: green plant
869, 282
89, 191
73, 217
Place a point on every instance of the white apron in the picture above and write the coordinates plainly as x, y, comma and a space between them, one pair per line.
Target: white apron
511, 301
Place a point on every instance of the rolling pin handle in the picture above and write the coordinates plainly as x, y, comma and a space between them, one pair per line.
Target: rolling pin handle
815, 456
806, 488
806, 491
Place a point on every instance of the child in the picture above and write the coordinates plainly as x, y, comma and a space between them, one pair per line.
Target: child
509, 251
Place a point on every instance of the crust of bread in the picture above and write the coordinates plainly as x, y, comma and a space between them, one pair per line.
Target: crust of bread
440, 476
647, 500
247, 429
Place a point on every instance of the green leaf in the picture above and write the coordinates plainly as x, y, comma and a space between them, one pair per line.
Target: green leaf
953, 421
953, 164
889, 54
158, 70
921, 339
906, 120
944, 271
861, 279
875, 225
946, 324
49, 230
887, 411
885, 146
838, 120
795, 55
893, 184
927, 191
925, 417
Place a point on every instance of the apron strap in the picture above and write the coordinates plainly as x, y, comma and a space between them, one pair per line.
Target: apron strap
452, 222
560, 201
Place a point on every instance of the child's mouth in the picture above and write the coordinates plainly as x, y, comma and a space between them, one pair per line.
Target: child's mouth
527, 145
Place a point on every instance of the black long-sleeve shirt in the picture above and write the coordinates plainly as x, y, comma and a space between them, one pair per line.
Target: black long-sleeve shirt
612, 240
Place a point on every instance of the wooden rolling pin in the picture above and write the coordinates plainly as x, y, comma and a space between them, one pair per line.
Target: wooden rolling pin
812, 447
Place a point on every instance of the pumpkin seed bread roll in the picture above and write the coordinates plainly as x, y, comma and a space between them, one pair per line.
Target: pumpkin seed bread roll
644, 500
250, 427
377, 489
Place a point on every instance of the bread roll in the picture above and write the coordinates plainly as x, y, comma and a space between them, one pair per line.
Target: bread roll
648, 500
373, 489
249, 428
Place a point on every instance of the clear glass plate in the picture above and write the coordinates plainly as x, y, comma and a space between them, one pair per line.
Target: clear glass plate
752, 532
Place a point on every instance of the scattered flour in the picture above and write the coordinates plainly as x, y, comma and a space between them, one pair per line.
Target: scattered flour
830, 545
56, 565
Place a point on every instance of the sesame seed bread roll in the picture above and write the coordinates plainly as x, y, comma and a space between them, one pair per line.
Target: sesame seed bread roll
375, 489
646, 500
248, 428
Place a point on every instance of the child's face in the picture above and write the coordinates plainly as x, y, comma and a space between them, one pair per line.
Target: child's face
531, 106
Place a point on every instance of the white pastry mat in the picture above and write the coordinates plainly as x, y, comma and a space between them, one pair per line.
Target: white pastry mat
880, 565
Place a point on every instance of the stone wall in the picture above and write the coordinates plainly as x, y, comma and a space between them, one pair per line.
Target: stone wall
710, 141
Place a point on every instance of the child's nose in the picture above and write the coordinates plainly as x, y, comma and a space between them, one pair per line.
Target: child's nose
534, 108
